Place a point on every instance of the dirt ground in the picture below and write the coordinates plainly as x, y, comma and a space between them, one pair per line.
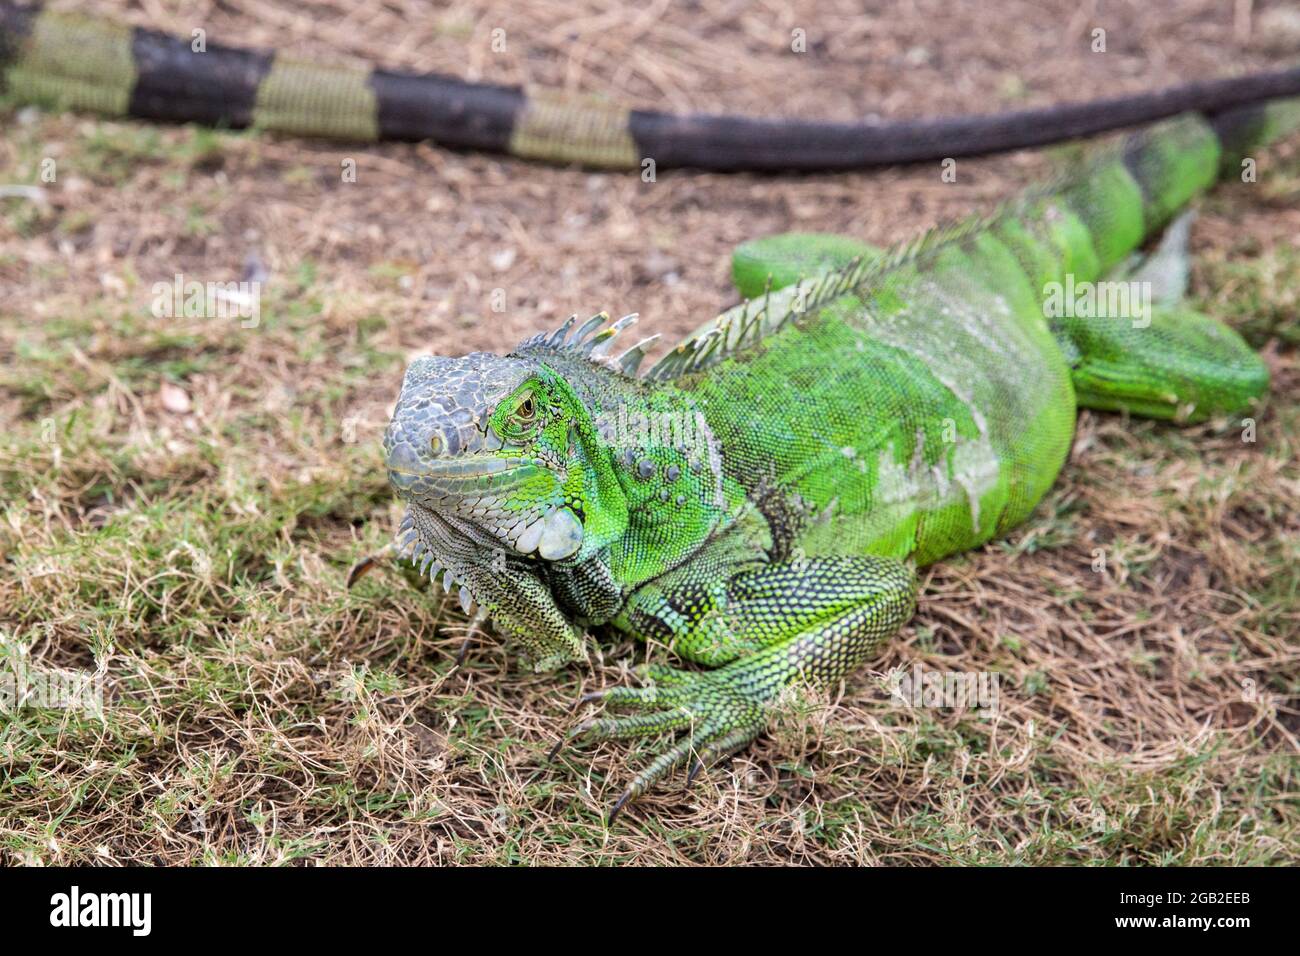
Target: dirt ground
182, 498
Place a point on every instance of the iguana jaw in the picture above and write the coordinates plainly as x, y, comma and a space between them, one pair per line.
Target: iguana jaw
482, 494
450, 547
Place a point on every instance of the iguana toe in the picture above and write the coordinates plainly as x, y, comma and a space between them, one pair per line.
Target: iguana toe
718, 720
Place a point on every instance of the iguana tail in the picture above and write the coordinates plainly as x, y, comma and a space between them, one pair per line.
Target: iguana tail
72, 61
1153, 355
1133, 197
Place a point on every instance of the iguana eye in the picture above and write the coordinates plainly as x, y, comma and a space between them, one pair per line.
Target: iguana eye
526, 410
519, 418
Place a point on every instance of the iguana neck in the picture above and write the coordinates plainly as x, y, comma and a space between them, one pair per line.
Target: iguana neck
653, 452
668, 463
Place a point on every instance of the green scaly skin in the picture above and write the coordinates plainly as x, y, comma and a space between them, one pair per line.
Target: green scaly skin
759, 500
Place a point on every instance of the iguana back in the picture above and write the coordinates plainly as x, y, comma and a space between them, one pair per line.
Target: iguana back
929, 410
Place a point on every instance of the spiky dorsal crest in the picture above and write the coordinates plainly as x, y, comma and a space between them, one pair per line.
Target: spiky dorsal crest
593, 340
755, 319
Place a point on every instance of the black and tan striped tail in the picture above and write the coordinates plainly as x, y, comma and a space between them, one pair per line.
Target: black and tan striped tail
67, 61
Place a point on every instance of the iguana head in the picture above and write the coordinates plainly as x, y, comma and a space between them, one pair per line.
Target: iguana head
506, 478
490, 446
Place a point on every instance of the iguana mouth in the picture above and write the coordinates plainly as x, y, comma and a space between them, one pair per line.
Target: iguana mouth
454, 480
465, 469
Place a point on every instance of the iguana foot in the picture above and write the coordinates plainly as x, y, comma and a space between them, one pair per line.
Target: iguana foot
819, 617
718, 720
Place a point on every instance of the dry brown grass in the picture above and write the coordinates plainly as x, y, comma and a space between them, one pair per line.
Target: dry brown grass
259, 713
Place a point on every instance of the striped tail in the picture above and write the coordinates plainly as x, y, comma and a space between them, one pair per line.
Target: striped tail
70, 61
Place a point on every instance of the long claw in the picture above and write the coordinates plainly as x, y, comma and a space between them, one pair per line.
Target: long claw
464, 649
572, 733
361, 569
622, 802
716, 749
661, 765
595, 695
690, 777
370, 562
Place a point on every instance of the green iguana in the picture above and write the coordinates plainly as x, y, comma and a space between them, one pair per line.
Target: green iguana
70, 61
759, 500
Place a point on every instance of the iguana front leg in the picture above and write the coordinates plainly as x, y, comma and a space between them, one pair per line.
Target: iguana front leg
798, 622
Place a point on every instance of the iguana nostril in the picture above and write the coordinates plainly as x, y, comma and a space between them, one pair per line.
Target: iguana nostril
436, 445
403, 457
